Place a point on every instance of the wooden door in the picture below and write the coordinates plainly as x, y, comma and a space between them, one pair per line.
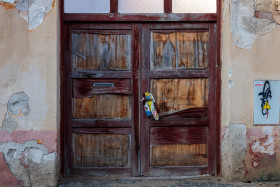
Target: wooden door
178, 68
109, 68
103, 115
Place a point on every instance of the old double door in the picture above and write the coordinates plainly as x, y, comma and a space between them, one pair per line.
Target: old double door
108, 69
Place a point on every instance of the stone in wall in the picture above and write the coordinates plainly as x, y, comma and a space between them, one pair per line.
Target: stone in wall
33, 11
234, 152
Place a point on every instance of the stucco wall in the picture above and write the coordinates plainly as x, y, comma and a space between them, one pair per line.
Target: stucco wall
250, 51
29, 93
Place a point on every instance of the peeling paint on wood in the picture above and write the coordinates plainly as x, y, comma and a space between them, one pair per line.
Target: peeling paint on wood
179, 50
179, 94
107, 106
101, 150
179, 155
101, 51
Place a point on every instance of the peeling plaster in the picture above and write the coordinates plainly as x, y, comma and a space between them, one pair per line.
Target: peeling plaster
263, 146
18, 106
30, 162
245, 26
263, 156
33, 11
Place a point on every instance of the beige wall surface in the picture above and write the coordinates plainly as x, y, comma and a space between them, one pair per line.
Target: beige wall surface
29, 88
29, 94
250, 51
29, 63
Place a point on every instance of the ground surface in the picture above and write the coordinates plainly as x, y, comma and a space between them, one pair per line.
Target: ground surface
159, 182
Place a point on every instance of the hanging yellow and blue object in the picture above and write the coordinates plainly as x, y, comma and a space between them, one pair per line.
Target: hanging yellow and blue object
149, 106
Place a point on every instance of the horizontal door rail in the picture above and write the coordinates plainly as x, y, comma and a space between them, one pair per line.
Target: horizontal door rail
100, 171
101, 130
94, 123
196, 17
101, 74
177, 122
204, 73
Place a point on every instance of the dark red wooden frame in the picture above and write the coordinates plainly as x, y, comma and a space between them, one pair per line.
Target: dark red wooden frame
65, 91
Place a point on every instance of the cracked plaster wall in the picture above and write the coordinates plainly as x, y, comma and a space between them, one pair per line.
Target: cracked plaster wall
29, 95
250, 51
33, 11
30, 163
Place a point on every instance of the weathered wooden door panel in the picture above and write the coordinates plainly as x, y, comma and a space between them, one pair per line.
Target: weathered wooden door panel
100, 51
111, 67
101, 150
178, 69
103, 118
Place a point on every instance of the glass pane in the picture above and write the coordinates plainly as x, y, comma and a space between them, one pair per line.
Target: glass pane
141, 6
92, 51
179, 50
87, 6
101, 150
194, 6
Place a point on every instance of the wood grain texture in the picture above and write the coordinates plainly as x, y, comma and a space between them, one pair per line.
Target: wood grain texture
101, 150
88, 87
92, 51
179, 94
203, 44
189, 113
179, 155
179, 50
107, 106
178, 135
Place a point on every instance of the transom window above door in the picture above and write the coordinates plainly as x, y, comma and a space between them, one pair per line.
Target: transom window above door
140, 6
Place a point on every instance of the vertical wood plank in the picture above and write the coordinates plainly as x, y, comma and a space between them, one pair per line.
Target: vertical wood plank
101, 51
144, 86
101, 150
212, 100
163, 56
167, 6
187, 49
203, 40
113, 6
135, 103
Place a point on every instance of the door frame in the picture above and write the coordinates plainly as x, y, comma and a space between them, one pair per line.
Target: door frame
114, 17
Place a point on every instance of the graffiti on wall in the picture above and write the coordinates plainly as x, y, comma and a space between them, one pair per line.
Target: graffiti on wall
266, 102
